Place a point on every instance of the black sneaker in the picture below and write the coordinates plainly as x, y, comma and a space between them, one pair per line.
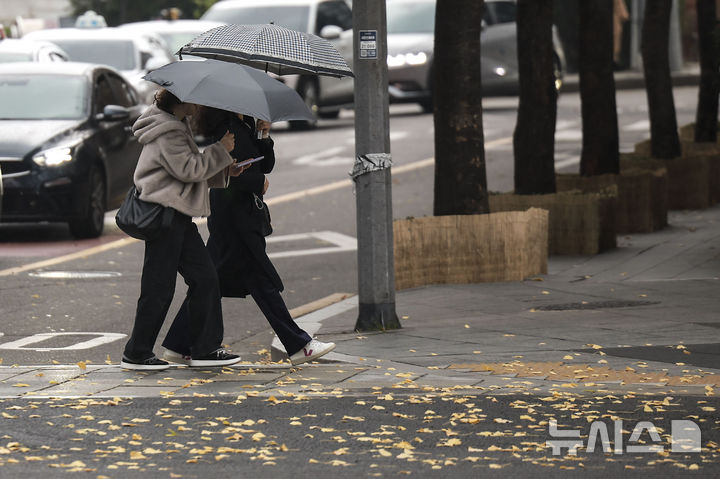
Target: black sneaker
151, 363
219, 357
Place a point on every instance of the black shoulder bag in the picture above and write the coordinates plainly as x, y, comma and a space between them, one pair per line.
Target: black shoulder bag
142, 219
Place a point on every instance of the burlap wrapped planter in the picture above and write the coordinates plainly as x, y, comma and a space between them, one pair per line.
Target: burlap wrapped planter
689, 178
711, 153
642, 196
509, 246
579, 223
687, 133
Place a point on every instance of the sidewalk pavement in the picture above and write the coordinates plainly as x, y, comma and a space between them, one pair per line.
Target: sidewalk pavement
642, 318
689, 75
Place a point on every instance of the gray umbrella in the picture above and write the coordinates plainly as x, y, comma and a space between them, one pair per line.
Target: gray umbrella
233, 87
271, 48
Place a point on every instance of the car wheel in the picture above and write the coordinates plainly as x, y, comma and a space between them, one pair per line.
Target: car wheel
91, 225
427, 105
308, 91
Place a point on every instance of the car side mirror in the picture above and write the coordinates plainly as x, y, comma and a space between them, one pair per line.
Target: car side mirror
153, 63
113, 113
331, 32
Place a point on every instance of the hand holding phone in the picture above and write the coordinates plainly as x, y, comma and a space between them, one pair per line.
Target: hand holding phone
248, 162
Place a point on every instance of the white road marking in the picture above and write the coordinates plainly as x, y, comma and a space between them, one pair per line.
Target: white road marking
325, 158
69, 257
489, 145
102, 338
642, 125
566, 124
568, 135
340, 241
398, 135
573, 160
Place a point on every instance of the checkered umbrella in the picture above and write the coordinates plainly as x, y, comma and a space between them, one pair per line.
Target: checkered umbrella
271, 48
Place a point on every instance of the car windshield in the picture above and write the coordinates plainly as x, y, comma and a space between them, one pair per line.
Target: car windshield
42, 97
9, 57
119, 54
410, 17
176, 40
293, 17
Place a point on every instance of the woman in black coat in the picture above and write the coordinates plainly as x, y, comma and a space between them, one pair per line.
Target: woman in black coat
238, 224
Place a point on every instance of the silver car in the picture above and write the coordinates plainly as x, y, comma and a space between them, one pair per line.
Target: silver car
18, 50
131, 53
411, 28
330, 19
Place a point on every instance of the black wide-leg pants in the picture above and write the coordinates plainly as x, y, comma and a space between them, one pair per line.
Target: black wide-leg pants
178, 250
270, 302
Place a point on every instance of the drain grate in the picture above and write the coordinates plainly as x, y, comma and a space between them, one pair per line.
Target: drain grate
594, 305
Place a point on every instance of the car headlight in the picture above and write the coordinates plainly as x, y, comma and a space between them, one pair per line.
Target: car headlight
407, 59
54, 156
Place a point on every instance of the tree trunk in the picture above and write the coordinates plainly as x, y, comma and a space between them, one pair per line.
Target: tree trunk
460, 178
534, 137
664, 138
600, 142
706, 122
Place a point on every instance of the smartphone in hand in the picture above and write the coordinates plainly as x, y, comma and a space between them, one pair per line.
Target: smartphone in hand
248, 162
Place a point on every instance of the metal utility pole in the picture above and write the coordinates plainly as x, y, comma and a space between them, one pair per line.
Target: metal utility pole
371, 172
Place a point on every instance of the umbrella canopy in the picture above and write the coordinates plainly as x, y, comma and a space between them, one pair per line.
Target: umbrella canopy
233, 87
271, 48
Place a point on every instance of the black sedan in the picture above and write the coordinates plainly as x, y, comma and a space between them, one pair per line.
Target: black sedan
67, 152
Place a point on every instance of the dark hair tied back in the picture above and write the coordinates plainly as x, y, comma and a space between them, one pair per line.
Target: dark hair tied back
166, 101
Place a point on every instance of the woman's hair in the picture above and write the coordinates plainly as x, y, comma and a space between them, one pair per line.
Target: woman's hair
211, 122
166, 101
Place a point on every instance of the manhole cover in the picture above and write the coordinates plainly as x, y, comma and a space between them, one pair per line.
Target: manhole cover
75, 274
594, 305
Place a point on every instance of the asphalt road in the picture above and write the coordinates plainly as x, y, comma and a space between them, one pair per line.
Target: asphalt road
312, 264
387, 434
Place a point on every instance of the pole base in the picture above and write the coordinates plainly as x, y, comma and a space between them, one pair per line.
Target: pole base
377, 317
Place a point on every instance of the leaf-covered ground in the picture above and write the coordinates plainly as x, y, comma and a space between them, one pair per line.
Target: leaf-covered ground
381, 433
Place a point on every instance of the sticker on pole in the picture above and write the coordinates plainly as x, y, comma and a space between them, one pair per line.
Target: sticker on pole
368, 44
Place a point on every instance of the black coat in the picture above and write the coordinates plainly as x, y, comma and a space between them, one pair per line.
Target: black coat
236, 243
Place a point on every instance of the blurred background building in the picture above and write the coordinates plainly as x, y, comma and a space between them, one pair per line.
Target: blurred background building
23, 16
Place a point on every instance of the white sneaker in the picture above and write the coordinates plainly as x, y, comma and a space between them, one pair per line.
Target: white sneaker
312, 350
173, 357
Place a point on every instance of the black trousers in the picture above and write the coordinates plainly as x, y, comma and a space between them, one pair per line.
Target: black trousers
178, 250
270, 302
